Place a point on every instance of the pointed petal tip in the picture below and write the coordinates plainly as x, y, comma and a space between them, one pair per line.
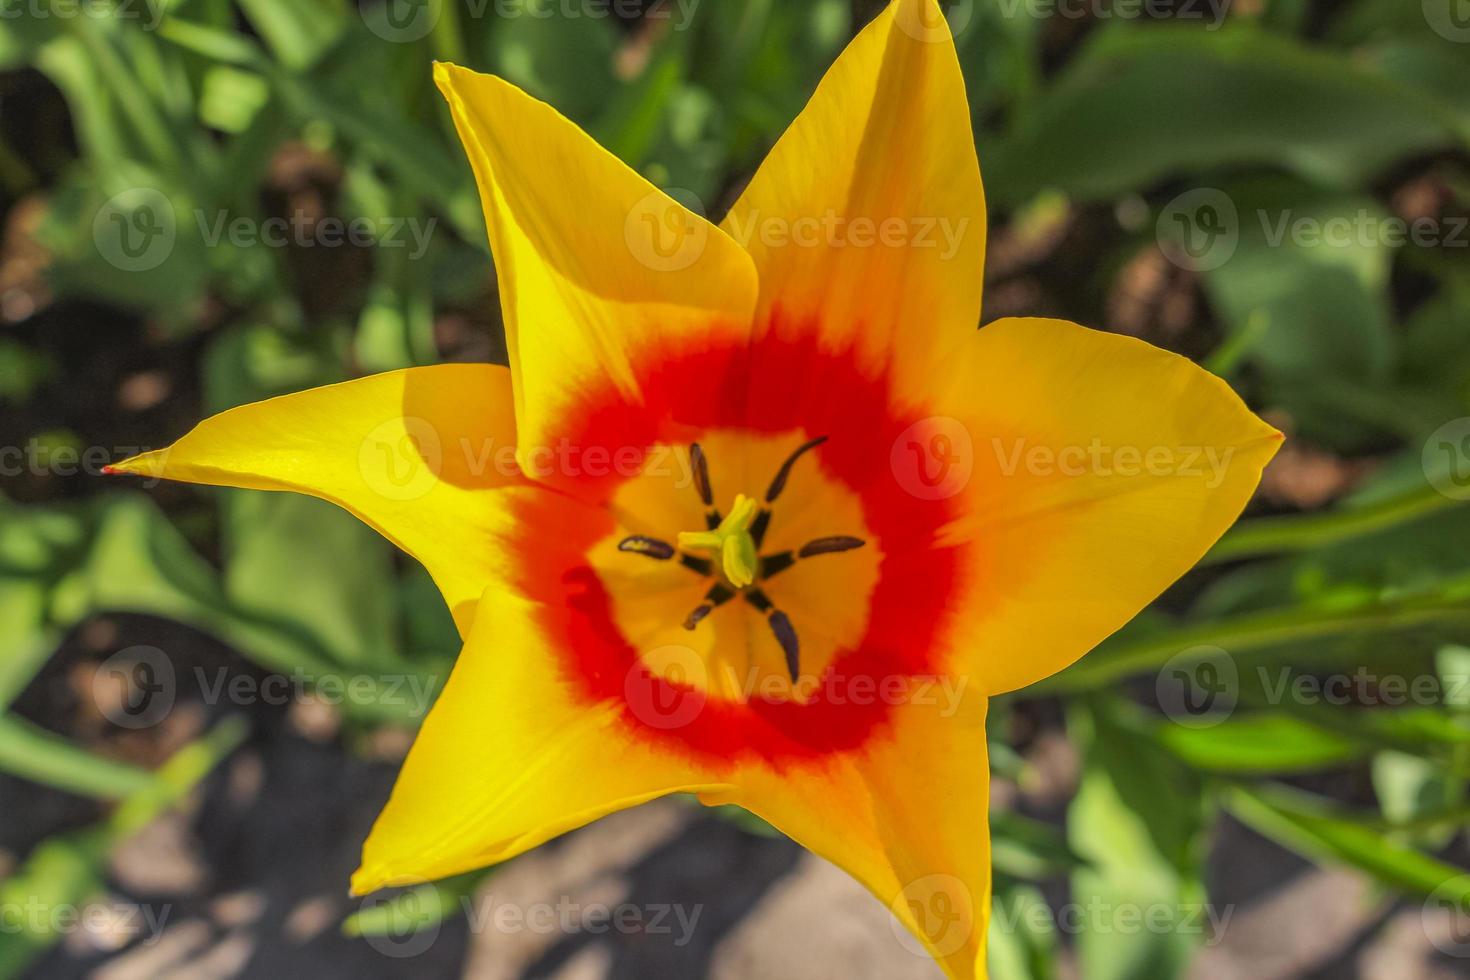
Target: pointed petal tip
144, 464
365, 882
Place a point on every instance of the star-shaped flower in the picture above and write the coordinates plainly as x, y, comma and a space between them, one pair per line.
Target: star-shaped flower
779, 518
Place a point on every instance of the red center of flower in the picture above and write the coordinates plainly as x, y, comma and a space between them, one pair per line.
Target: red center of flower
817, 432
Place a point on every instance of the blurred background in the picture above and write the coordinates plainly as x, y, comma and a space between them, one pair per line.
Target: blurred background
204, 695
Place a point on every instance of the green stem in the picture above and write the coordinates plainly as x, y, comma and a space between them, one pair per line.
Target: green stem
33, 753
445, 36
67, 869
1297, 533
1239, 634
176, 778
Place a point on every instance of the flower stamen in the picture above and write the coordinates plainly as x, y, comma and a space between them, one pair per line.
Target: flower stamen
781, 626
718, 595
729, 550
730, 542
782, 560
778, 483
642, 544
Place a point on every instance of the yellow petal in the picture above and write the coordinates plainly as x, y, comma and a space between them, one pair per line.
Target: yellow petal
867, 220
1093, 470
509, 758
596, 266
906, 816
417, 454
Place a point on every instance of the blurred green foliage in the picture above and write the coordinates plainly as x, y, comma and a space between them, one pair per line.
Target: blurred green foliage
184, 113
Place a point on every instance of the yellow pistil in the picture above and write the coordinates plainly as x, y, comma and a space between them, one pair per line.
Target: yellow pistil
730, 543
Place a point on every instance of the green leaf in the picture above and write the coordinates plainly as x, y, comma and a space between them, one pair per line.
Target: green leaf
231, 98
415, 909
67, 870
118, 554
1311, 266
298, 31
33, 753
1410, 788
128, 235
1029, 849
1260, 744
559, 54
1141, 105
1022, 935
1138, 820
289, 558
1309, 826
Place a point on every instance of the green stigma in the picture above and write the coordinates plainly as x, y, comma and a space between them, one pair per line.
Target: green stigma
731, 543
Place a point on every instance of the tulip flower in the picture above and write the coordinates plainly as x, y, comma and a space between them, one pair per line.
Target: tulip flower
774, 516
